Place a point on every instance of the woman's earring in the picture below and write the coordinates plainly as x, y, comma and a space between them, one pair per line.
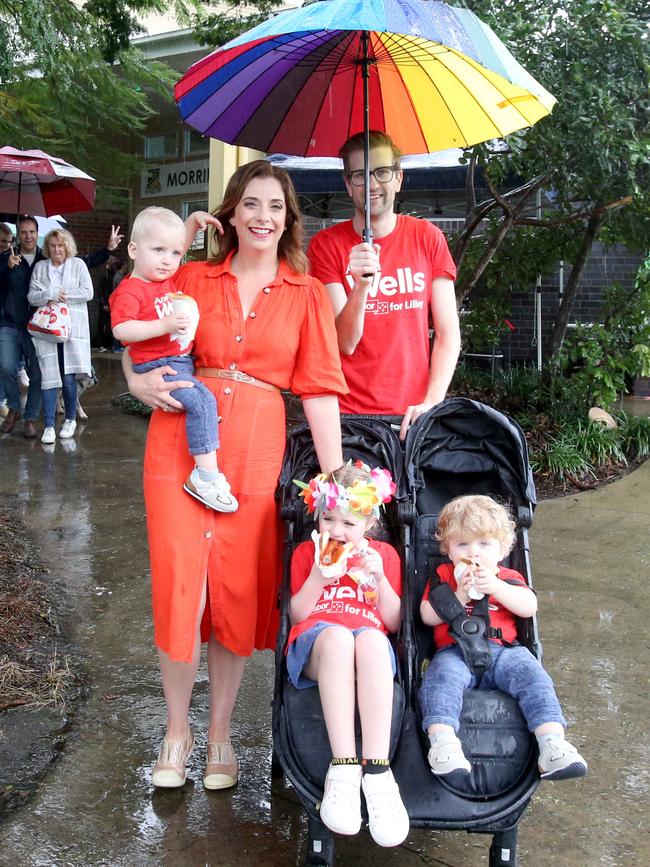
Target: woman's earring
232, 221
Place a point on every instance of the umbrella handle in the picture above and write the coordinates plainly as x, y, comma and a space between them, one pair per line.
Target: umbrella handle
365, 72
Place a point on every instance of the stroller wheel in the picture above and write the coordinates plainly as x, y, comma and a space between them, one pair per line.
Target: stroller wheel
503, 851
321, 845
277, 771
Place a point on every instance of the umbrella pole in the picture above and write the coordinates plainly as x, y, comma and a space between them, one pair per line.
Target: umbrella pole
365, 73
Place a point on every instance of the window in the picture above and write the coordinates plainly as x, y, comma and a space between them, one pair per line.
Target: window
195, 143
159, 147
188, 208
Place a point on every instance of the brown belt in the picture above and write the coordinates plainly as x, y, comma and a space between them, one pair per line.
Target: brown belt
236, 376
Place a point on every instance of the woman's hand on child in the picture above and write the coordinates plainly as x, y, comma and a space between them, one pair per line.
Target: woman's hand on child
152, 389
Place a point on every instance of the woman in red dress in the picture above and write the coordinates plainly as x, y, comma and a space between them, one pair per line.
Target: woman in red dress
265, 325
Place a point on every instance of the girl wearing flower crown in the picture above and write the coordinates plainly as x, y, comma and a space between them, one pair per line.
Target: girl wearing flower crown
345, 598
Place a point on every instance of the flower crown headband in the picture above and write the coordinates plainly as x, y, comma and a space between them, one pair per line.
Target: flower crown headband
362, 498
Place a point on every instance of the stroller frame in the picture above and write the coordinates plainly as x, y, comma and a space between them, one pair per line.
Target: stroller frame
503, 779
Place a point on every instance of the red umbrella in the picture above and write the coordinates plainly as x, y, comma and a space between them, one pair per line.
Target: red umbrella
33, 182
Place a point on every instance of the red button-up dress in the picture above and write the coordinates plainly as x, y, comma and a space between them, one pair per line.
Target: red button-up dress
288, 339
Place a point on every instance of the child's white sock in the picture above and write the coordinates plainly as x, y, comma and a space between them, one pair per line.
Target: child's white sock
207, 475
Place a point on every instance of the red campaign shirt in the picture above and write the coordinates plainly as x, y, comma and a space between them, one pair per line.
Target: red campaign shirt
389, 369
343, 601
145, 301
500, 617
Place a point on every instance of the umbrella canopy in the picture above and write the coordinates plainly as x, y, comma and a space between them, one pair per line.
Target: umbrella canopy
430, 75
33, 182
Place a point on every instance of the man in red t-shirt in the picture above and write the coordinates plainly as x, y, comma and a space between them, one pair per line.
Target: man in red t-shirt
382, 321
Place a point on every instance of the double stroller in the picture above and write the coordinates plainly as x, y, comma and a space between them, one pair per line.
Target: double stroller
459, 447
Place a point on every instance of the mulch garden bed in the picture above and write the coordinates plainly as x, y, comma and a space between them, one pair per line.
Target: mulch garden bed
39, 683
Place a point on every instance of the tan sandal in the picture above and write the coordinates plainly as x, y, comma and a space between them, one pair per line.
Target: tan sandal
222, 767
169, 770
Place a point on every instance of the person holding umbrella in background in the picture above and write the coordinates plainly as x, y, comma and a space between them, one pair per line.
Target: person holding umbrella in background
16, 268
6, 237
382, 293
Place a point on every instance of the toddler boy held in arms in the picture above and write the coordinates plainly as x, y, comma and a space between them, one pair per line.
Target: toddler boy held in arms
143, 316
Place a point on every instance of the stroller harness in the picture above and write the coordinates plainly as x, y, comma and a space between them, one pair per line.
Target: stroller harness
472, 632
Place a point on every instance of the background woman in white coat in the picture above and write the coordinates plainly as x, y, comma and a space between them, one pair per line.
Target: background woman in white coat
62, 277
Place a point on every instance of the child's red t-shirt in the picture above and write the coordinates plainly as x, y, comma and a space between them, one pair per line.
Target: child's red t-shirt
500, 617
143, 301
342, 602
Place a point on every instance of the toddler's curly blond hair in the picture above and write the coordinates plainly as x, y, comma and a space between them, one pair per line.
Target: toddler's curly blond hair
473, 517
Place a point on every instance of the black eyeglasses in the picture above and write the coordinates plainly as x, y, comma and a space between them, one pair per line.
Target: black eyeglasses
382, 174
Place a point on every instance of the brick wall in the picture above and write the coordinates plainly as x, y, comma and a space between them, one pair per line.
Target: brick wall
604, 266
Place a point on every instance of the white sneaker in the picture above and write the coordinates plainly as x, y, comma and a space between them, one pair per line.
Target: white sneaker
68, 429
446, 755
215, 494
49, 436
560, 760
340, 809
387, 817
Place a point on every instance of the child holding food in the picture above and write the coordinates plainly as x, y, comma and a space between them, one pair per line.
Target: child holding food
476, 533
345, 598
159, 324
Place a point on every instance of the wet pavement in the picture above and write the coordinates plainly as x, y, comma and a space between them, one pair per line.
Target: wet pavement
83, 504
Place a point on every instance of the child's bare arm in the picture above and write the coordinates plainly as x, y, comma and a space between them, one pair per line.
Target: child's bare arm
135, 330
196, 221
389, 603
428, 614
519, 600
304, 601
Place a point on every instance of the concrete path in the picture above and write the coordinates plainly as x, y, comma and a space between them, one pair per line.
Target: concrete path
591, 558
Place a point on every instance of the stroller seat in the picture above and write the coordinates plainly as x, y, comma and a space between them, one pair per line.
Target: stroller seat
305, 736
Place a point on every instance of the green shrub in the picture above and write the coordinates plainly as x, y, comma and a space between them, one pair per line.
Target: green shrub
634, 434
599, 445
561, 457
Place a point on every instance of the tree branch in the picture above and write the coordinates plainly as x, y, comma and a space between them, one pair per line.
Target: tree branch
573, 284
574, 218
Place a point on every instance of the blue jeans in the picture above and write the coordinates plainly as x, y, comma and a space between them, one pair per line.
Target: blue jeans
199, 403
514, 670
69, 382
15, 345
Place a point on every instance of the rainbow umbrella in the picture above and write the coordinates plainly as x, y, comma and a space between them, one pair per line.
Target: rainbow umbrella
430, 75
